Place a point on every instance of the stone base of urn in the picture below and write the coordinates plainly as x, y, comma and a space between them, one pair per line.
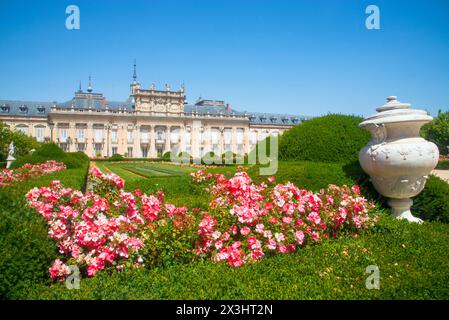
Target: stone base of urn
400, 209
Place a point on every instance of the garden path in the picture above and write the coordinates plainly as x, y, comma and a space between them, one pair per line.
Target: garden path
443, 174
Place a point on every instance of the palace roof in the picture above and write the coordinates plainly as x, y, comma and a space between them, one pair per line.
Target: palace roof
25, 108
96, 101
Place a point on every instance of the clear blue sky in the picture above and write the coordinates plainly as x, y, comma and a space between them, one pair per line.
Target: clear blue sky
299, 57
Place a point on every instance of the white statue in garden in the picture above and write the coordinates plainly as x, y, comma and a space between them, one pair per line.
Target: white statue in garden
11, 149
10, 158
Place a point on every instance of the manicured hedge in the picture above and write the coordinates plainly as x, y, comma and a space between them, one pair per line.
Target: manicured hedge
211, 158
131, 159
413, 262
331, 138
433, 202
443, 165
51, 151
116, 157
26, 251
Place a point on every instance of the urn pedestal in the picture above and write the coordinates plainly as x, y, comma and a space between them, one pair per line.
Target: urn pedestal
9, 161
397, 159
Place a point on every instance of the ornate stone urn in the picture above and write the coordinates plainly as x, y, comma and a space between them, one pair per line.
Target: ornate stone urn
397, 159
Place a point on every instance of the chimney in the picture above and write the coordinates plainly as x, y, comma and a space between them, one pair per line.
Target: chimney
228, 107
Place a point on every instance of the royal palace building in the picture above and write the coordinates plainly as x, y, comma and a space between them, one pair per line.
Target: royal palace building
148, 124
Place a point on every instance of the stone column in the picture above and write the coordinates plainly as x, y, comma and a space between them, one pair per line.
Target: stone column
221, 141
89, 140
72, 135
121, 139
152, 152
194, 143
207, 137
233, 140
189, 142
56, 133
246, 140
182, 146
167, 139
107, 140
137, 153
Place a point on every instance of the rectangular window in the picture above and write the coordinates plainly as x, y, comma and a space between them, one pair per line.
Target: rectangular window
227, 136
144, 135
214, 137
40, 134
114, 135
130, 136
130, 152
114, 150
80, 146
240, 136
63, 134
174, 136
98, 135
253, 137
80, 135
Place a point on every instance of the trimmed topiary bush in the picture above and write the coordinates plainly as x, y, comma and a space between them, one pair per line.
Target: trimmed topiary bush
185, 157
230, 157
51, 151
210, 158
167, 155
332, 138
433, 202
116, 157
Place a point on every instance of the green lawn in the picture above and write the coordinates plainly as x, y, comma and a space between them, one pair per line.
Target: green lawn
413, 259
176, 183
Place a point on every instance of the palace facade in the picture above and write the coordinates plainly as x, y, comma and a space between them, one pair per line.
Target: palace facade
148, 124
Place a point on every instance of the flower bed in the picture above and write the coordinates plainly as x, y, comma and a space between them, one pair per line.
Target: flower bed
110, 228
106, 227
28, 171
247, 221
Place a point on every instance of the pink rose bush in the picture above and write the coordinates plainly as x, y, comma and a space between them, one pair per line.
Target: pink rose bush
108, 228
27, 171
96, 231
247, 221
